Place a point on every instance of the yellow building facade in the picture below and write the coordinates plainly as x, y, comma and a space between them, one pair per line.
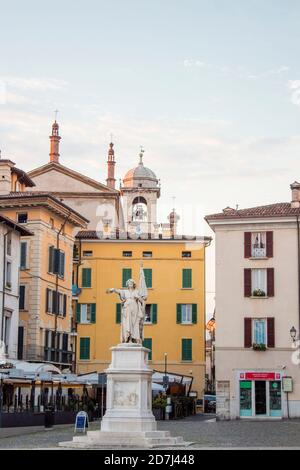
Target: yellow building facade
175, 309
46, 259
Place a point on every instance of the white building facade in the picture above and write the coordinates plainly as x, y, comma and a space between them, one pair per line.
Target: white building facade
257, 310
10, 249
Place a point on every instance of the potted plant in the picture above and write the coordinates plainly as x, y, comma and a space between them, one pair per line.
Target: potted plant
259, 347
259, 293
158, 407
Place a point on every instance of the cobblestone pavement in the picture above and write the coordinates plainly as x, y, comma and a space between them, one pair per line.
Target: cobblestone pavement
203, 431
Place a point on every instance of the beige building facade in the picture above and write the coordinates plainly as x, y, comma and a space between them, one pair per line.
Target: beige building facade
257, 310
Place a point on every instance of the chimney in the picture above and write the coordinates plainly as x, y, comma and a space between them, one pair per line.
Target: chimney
54, 143
111, 181
5, 176
295, 187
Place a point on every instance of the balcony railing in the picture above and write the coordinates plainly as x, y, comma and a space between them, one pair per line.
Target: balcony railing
47, 354
259, 251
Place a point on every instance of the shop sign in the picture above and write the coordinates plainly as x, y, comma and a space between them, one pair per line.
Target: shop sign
287, 384
262, 376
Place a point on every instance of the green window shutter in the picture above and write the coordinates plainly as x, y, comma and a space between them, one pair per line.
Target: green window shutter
86, 277
78, 312
186, 278
178, 314
147, 343
51, 259
186, 351
154, 313
118, 313
148, 277
194, 313
23, 261
84, 348
93, 313
126, 274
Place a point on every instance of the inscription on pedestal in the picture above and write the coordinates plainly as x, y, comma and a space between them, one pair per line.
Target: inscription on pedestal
125, 394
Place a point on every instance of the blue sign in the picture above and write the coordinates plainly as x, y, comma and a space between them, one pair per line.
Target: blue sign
81, 422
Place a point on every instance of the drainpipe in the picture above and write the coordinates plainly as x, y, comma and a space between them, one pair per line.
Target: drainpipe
298, 257
56, 346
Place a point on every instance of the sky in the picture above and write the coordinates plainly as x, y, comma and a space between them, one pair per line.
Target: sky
210, 89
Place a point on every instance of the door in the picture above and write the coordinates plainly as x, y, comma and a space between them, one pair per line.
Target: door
275, 398
260, 398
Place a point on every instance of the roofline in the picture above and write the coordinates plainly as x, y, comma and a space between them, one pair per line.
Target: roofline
23, 197
76, 174
22, 230
125, 237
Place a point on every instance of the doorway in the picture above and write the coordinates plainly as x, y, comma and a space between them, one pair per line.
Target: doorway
260, 397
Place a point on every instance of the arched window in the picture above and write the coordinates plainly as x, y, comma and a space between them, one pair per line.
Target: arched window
139, 209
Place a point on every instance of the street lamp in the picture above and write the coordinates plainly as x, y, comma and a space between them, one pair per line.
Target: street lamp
293, 333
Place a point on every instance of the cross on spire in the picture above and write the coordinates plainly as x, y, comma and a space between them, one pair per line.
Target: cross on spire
56, 112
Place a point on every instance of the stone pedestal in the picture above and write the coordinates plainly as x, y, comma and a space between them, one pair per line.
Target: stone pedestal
128, 421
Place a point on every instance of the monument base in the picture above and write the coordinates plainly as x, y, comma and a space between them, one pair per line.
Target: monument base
128, 420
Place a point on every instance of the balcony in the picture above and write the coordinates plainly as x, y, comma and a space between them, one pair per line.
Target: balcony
76, 291
259, 251
47, 354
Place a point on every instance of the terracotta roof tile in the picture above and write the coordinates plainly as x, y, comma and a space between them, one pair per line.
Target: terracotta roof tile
281, 209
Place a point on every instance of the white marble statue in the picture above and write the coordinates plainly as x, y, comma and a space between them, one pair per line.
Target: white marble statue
132, 310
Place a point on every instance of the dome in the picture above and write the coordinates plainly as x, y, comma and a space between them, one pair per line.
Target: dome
140, 176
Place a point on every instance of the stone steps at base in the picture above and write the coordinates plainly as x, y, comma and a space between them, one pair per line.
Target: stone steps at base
96, 435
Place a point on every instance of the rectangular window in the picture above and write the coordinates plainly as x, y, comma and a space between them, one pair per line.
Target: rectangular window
186, 314
186, 350
259, 331
87, 253
86, 277
259, 282
186, 278
127, 254
22, 298
84, 353
259, 244
147, 343
86, 313
126, 274
20, 342
186, 254
22, 218
8, 274
118, 313
148, 277
23, 256
49, 301
147, 254
56, 262
8, 243
151, 313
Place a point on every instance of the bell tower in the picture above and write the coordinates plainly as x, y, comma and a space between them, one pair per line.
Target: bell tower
111, 181
54, 143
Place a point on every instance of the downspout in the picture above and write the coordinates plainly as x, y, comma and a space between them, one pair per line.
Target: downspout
56, 346
298, 257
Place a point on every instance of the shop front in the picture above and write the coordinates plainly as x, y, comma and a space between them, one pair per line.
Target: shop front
260, 394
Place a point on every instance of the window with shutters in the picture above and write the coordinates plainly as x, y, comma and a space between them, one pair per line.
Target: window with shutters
8, 243
23, 255
186, 350
151, 314
147, 343
186, 278
49, 300
86, 313
118, 313
126, 274
84, 349
22, 298
8, 275
187, 314
56, 263
148, 277
259, 282
259, 331
86, 277
258, 244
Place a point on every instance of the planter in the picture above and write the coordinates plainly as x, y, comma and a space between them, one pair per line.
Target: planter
159, 413
259, 347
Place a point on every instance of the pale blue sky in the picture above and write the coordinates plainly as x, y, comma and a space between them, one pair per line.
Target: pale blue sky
210, 88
